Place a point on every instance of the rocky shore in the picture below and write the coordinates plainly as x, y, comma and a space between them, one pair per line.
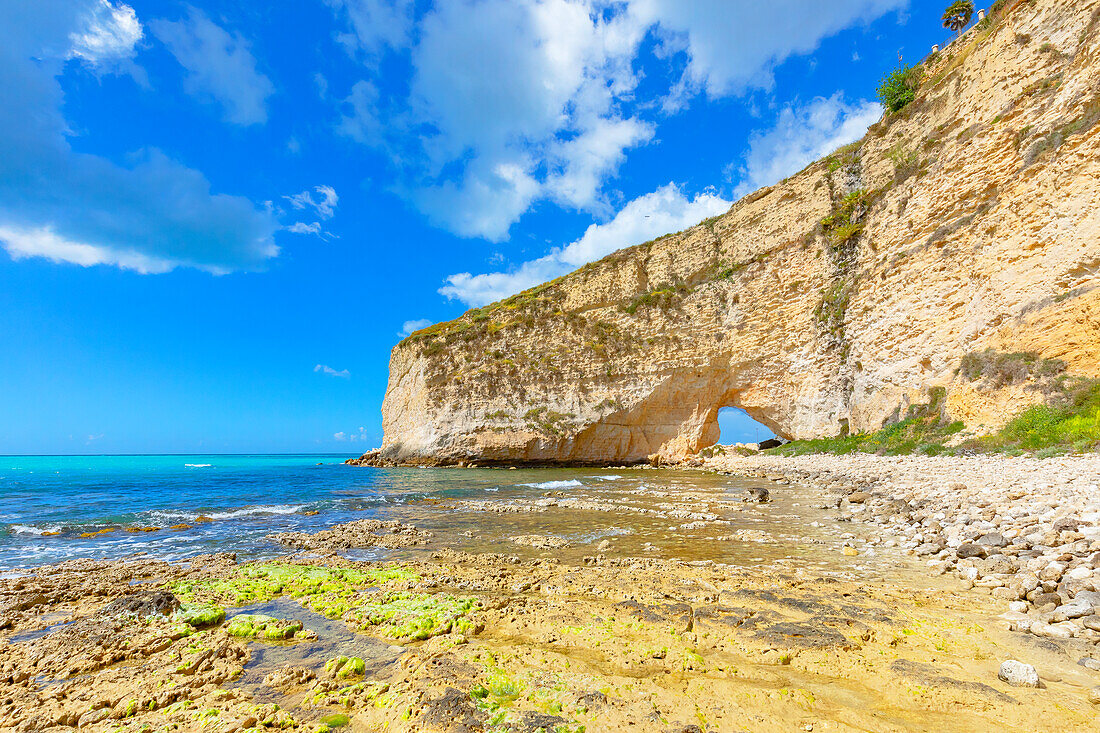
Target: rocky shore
1025, 531
535, 634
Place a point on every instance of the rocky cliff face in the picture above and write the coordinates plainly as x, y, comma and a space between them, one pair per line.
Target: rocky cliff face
831, 301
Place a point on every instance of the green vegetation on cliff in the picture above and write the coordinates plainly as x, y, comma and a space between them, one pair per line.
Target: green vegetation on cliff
1067, 422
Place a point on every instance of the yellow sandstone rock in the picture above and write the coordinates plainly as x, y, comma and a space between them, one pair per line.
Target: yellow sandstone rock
830, 301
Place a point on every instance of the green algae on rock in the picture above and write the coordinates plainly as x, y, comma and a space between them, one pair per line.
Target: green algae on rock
342, 667
259, 626
404, 615
331, 591
199, 614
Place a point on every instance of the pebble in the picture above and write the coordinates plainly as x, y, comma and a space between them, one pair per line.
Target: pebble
1026, 531
1018, 674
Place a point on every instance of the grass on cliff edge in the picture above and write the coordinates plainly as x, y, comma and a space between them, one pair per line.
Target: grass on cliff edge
1069, 425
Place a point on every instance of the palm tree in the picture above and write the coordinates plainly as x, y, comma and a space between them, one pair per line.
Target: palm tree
958, 15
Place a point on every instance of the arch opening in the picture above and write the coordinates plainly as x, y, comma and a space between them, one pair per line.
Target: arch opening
736, 426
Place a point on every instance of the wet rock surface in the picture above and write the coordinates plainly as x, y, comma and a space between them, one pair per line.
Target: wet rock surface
522, 639
624, 642
1023, 531
358, 534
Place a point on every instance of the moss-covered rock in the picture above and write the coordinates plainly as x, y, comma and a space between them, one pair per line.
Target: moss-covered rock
199, 614
329, 591
259, 626
343, 667
404, 615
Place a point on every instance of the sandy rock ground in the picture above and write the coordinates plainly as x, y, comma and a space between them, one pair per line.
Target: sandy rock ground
450, 641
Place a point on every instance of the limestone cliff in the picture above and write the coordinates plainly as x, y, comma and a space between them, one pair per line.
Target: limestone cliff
830, 301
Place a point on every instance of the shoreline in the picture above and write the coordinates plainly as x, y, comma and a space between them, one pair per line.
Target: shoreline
454, 641
1024, 530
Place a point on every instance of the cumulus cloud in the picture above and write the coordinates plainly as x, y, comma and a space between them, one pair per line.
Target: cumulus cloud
44, 242
220, 66
151, 214
533, 114
409, 326
515, 102
801, 135
330, 372
735, 46
108, 34
665, 210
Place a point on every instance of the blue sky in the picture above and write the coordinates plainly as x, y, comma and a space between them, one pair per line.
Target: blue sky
217, 218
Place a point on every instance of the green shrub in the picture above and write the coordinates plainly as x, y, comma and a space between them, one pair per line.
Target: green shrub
1000, 369
1070, 424
899, 87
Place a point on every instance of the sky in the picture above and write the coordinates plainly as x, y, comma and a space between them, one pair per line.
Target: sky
218, 217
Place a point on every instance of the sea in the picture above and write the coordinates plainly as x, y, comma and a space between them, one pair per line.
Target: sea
57, 508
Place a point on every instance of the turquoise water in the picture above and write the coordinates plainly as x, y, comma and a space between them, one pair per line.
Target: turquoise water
54, 508
246, 496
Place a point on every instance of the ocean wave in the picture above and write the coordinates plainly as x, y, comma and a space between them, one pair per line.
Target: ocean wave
163, 516
607, 478
249, 511
555, 484
198, 465
27, 529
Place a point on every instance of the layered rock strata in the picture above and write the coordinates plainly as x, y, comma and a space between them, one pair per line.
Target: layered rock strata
828, 302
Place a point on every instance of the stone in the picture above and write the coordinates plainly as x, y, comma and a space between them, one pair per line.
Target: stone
858, 497
1072, 610
1090, 663
969, 549
1053, 571
1062, 630
759, 494
1018, 674
993, 539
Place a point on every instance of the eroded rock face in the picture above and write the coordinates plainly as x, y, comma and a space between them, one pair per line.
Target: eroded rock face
834, 299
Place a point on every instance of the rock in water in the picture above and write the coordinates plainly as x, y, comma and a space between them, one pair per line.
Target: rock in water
759, 494
1018, 674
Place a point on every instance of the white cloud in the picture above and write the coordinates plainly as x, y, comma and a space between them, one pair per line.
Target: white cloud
150, 215
732, 47
532, 115
360, 436
409, 326
330, 372
544, 109
324, 205
375, 24
300, 227
44, 242
108, 34
220, 66
802, 135
663, 211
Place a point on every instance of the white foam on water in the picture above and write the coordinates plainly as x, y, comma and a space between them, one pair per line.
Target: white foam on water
27, 529
555, 484
608, 478
249, 511
198, 465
